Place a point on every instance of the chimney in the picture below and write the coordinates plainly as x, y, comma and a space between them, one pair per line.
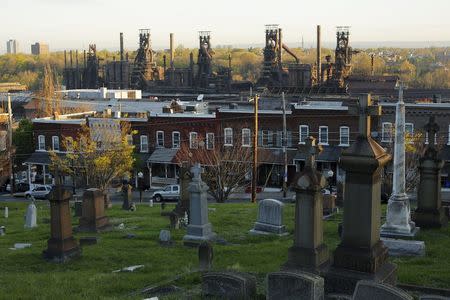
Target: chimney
280, 46
319, 55
121, 46
172, 50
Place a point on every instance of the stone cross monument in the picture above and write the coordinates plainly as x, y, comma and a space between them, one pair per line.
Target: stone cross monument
361, 254
429, 212
308, 253
398, 216
199, 228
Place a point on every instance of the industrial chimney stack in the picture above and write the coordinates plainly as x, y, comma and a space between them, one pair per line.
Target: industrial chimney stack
172, 54
319, 56
121, 46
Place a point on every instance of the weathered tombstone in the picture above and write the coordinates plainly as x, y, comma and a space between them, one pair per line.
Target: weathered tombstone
185, 179
78, 207
361, 254
108, 203
290, 285
127, 195
228, 285
270, 218
132, 207
2, 230
429, 212
205, 256
398, 247
93, 213
6, 212
150, 203
62, 246
199, 228
308, 252
371, 290
164, 238
31, 216
398, 215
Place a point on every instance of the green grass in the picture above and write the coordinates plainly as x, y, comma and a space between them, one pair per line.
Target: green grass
25, 274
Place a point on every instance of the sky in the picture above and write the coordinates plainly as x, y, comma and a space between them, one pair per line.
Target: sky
74, 24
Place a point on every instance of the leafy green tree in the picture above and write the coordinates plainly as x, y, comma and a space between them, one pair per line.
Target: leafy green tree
22, 140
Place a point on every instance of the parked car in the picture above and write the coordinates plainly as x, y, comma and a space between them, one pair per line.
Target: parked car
170, 192
39, 192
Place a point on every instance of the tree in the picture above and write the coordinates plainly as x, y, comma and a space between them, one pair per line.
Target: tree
21, 140
225, 168
97, 155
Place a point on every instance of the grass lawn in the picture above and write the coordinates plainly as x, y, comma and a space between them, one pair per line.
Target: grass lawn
25, 274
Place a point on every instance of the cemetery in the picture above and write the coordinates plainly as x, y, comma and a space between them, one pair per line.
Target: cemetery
272, 249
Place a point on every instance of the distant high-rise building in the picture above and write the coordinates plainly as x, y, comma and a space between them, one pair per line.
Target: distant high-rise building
12, 47
39, 49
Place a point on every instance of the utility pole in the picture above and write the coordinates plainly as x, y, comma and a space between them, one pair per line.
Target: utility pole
255, 149
284, 143
11, 158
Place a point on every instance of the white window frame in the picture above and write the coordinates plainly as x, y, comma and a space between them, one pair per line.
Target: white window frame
320, 135
41, 142
228, 136
246, 133
341, 136
176, 145
267, 142
55, 141
158, 140
384, 137
143, 143
210, 141
300, 141
193, 141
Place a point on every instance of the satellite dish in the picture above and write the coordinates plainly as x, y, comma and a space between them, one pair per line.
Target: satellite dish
200, 97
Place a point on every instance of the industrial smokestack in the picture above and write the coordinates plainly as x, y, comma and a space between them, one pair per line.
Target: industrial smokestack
65, 59
172, 50
280, 46
319, 55
121, 46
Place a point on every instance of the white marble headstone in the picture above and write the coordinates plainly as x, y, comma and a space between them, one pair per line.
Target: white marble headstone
30, 221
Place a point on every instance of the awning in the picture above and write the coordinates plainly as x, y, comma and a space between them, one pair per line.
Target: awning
328, 154
162, 156
40, 158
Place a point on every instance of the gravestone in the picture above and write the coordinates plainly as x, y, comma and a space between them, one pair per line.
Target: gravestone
127, 195
228, 285
199, 228
309, 251
93, 212
398, 247
361, 254
2, 230
164, 238
31, 216
185, 179
108, 203
6, 212
429, 212
62, 246
78, 206
370, 290
270, 218
398, 215
205, 256
290, 285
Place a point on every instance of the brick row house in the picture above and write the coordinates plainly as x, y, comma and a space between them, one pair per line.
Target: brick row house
5, 162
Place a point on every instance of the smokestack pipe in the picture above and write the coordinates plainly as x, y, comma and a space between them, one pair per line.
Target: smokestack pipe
319, 56
280, 47
121, 46
71, 63
65, 59
76, 58
172, 50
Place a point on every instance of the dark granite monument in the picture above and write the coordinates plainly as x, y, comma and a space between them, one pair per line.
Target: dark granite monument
228, 285
361, 254
429, 212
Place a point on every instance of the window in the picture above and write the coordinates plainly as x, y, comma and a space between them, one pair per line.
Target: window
323, 135
267, 138
246, 137
303, 133
160, 139
144, 143
41, 142
287, 141
193, 140
386, 132
228, 137
210, 141
175, 139
55, 143
344, 136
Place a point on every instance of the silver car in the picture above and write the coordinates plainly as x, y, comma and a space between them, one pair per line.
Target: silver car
39, 192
